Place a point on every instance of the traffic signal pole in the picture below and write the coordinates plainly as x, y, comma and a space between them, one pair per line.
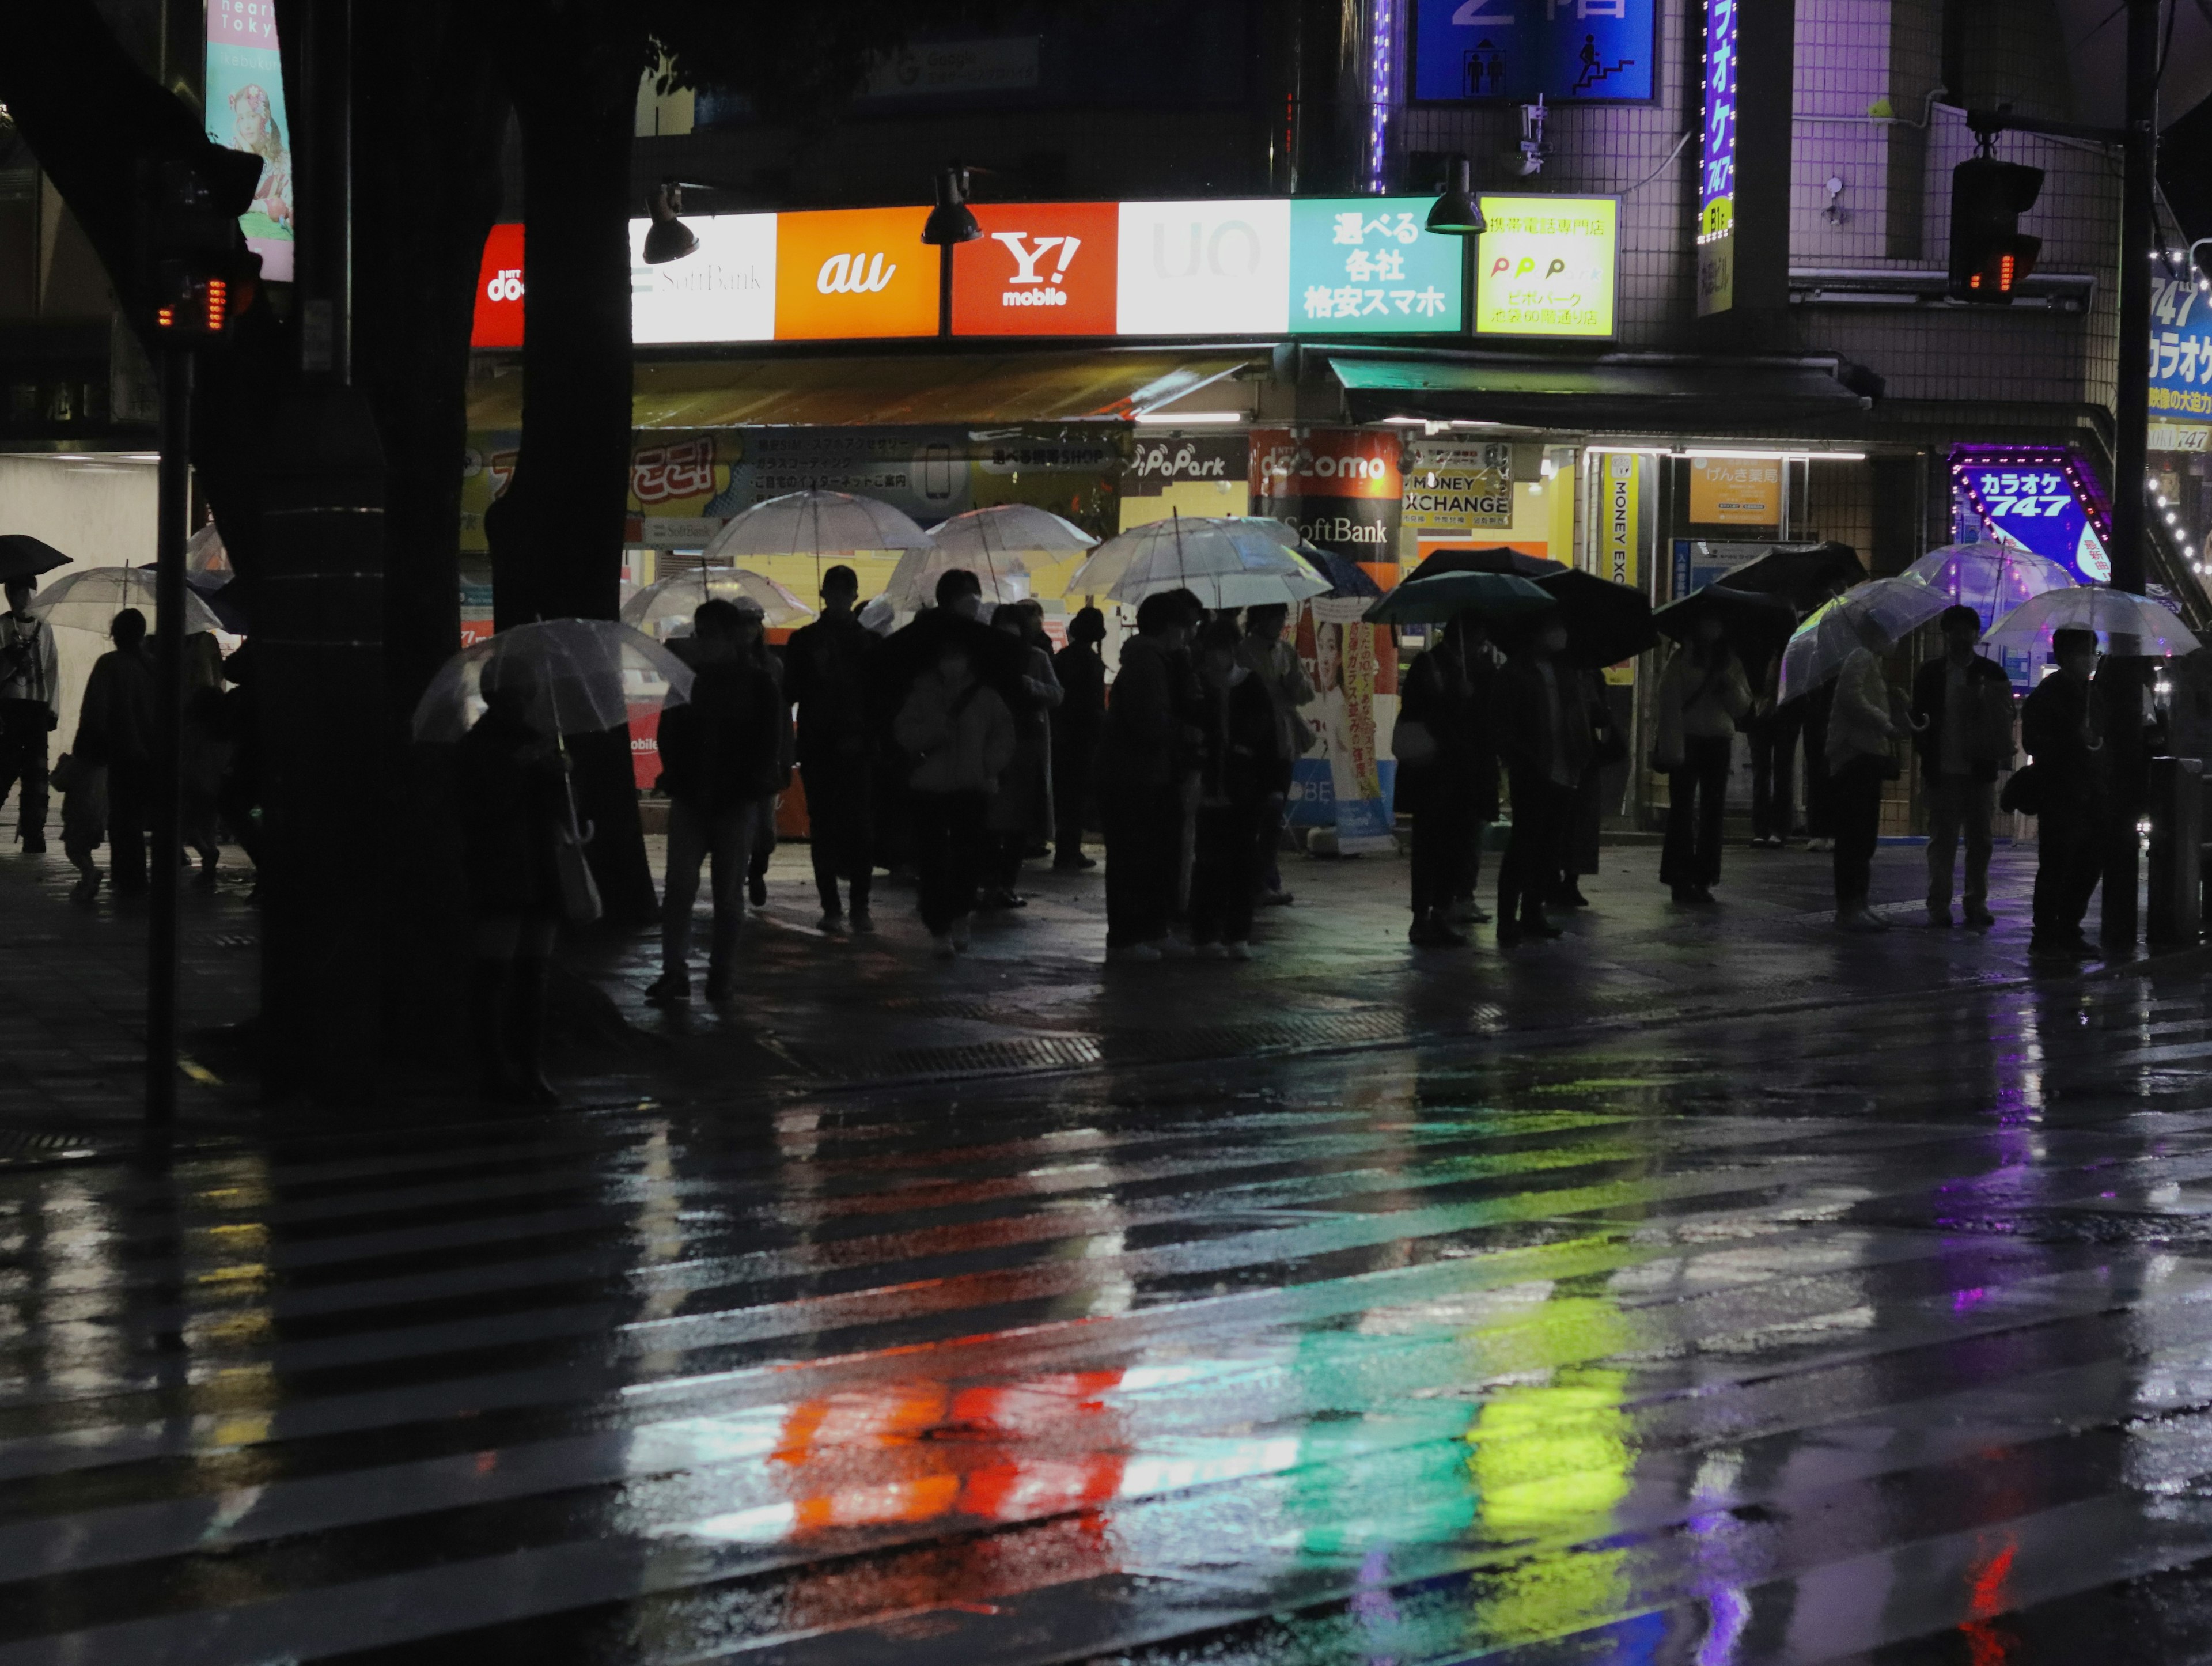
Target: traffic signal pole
167, 776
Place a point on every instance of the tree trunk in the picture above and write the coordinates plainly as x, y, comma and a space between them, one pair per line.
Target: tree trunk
556, 532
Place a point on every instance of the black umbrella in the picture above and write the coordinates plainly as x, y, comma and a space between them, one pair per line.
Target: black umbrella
1607, 623
1802, 574
1346, 576
22, 557
1453, 559
1755, 626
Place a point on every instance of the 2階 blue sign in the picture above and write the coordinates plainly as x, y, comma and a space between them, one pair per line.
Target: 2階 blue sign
1567, 51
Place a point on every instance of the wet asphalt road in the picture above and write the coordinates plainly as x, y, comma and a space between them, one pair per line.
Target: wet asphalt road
1879, 1336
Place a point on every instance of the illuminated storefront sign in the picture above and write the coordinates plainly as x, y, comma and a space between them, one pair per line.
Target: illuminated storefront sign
1735, 491
245, 103
853, 274
1547, 266
1567, 51
1367, 265
499, 289
724, 290
2037, 498
1204, 268
1716, 164
2180, 350
1039, 268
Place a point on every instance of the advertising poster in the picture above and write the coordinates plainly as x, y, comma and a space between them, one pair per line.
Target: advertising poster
1547, 266
1342, 488
246, 112
1716, 164
1340, 782
1451, 491
2180, 354
1567, 51
1735, 491
1367, 263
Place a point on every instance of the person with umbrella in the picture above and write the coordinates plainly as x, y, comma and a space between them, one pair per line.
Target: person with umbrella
30, 710
825, 672
1703, 696
1236, 782
1139, 787
1866, 717
1962, 731
1021, 805
1281, 673
115, 732
1544, 734
722, 755
1076, 724
960, 735
2057, 728
1447, 775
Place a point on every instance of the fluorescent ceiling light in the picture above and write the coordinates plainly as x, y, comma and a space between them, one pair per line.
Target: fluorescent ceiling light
1176, 418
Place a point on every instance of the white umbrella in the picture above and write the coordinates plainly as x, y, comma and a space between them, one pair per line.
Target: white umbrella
89, 600
1888, 610
1991, 578
1179, 552
1017, 535
573, 676
2128, 626
207, 564
674, 599
914, 580
816, 524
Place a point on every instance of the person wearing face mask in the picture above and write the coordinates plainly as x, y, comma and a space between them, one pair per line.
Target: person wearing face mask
2059, 733
1702, 695
1544, 734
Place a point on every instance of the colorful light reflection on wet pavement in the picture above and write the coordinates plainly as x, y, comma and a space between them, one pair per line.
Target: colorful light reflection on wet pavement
1883, 1334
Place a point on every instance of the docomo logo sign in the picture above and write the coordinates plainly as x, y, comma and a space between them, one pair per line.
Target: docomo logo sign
853, 273
1325, 463
499, 309
1040, 269
506, 285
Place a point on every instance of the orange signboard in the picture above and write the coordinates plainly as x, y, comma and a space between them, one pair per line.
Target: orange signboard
1735, 491
849, 273
1039, 268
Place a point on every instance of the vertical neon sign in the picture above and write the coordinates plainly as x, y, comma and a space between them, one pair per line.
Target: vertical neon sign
1716, 164
1381, 61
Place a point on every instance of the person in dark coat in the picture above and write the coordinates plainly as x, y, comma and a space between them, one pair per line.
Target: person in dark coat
825, 677
238, 799
30, 710
1703, 696
1140, 782
753, 644
1267, 653
1019, 807
1451, 790
1773, 727
115, 730
514, 806
1962, 729
1236, 787
1077, 722
2060, 735
722, 755
1586, 810
1544, 734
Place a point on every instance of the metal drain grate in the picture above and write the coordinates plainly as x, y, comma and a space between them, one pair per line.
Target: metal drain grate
47, 1145
973, 1058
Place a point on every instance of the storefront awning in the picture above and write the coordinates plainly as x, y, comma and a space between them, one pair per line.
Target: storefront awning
845, 390
1640, 392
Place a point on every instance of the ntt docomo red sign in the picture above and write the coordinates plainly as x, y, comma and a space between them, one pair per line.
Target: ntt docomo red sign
499, 291
1039, 268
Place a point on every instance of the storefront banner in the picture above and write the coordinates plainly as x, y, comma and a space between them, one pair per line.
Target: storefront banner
1155, 465
2181, 349
1340, 488
245, 104
853, 274
2180, 436
1566, 52
499, 289
1735, 491
724, 290
1547, 266
1716, 164
1367, 265
1039, 268
1450, 490
1204, 268
1341, 782
2038, 500
1618, 481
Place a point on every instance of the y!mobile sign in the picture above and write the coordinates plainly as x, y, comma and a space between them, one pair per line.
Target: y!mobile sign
1039, 268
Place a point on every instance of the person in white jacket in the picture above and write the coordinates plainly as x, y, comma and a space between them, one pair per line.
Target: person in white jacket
1867, 716
961, 738
30, 710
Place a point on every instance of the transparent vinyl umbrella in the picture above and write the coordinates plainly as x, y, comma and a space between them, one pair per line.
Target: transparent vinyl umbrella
207, 564
1017, 534
89, 600
2128, 626
1202, 554
1878, 614
914, 580
822, 524
662, 608
1992, 579
569, 677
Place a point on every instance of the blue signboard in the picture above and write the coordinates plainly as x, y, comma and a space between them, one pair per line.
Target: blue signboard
1566, 52
2037, 498
2180, 351
1365, 265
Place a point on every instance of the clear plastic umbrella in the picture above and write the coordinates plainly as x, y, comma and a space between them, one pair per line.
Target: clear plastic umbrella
661, 608
207, 564
822, 524
1176, 553
576, 677
1992, 579
1878, 614
1020, 535
2127, 626
90, 600
914, 580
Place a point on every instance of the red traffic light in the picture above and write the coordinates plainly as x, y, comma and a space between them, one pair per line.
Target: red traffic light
1990, 255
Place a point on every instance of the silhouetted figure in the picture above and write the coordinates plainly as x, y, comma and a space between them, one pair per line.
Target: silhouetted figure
1140, 782
1451, 787
1076, 724
2059, 734
1702, 696
115, 732
1544, 736
1864, 720
825, 676
960, 736
1020, 810
1237, 786
30, 710
1275, 662
1962, 729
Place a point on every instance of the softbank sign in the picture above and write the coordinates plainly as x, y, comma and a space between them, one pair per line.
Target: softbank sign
723, 291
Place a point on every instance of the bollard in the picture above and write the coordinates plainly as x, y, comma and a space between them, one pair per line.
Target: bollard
2177, 832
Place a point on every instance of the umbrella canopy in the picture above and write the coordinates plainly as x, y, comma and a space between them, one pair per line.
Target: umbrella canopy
1992, 579
814, 523
1438, 600
89, 600
1802, 574
1887, 610
1607, 623
1754, 626
1226, 561
207, 564
1497, 560
660, 607
914, 580
1346, 576
1009, 537
2127, 626
22, 557
571, 676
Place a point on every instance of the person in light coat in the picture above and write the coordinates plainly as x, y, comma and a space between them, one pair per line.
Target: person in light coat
960, 738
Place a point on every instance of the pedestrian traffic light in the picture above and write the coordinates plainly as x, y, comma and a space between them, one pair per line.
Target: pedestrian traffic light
1990, 255
198, 272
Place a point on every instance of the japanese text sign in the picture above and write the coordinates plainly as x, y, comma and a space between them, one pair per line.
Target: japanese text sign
2037, 500
1716, 164
1735, 491
2181, 349
1367, 263
1565, 50
1546, 266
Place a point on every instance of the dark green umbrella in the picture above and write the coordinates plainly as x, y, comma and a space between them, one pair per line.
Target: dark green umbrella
22, 557
1443, 599
1607, 623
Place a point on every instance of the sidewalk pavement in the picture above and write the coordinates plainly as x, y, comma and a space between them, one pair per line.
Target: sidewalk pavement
816, 1014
